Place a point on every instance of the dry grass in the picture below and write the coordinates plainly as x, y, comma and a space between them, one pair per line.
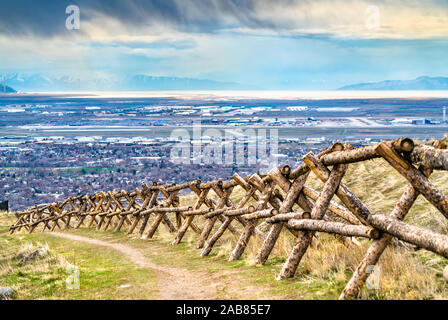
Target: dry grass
45, 269
46, 263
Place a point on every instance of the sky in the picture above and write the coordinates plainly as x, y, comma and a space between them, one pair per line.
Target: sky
270, 44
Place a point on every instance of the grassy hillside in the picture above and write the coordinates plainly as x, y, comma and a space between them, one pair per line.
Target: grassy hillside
104, 274
325, 270
405, 274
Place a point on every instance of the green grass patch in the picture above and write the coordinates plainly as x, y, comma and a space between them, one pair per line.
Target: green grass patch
103, 273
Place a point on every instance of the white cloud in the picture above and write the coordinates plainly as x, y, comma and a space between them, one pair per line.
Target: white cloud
398, 19
410, 19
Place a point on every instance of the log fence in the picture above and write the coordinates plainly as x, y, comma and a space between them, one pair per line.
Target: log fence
277, 200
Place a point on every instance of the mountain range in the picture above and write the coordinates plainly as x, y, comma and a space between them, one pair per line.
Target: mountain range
140, 82
420, 83
6, 89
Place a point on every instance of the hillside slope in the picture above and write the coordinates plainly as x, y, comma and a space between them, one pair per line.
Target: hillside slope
323, 273
7, 89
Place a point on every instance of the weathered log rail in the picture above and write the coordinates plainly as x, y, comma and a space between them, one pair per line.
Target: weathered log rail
268, 198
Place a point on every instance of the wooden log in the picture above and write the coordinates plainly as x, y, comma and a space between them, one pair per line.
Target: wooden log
118, 204
202, 195
183, 186
333, 207
256, 181
285, 170
127, 211
430, 157
243, 241
200, 212
228, 219
67, 223
231, 228
249, 188
81, 209
224, 184
178, 220
98, 207
320, 207
147, 198
56, 213
45, 225
241, 181
415, 177
260, 214
152, 202
208, 202
215, 213
223, 201
211, 242
153, 228
278, 195
169, 224
207, 229
225, 194
426, 156
334, 227
224, 226
108, 218
251, 225
377, 247
131, 200
420, 237
276, 175
239, 212
120, 223
405, 145
161, 217
115, 213
180, 233
56, 224
337, 147
350, 200
362, 154
170, 197
285, 217
166, 209
286, 206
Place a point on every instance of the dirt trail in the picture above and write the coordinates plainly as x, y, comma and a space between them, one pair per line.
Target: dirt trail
177, 283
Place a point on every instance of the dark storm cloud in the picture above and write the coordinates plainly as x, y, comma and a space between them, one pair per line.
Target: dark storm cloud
47, 17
